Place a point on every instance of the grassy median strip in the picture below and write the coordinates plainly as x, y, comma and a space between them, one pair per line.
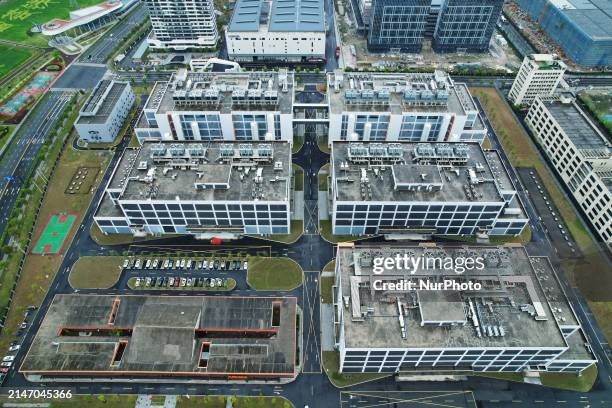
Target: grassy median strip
297, 229
95, 272
322, 177
564, 381
327, 283
331, 365
298, 175
274, 274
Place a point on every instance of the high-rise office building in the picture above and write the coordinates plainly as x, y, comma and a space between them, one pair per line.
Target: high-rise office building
466, 25
398, 24
182, 24
452, 25
539, 75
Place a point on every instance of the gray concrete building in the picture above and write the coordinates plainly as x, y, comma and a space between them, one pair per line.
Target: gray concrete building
396, 321
177, 338
205, 189
422, 188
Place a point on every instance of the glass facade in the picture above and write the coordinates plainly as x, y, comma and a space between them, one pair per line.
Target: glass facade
566, 31
459, 24
466, 25
398, 24
415, 127
164, 217
209, 126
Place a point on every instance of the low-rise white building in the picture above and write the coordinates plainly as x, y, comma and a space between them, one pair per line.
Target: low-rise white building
401, 107
222, 106
580, 153
539, 75
103, 114
285, 30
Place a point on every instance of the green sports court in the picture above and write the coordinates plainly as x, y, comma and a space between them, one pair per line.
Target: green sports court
55, 233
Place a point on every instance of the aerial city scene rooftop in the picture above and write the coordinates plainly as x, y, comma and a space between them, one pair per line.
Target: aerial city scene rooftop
306, 203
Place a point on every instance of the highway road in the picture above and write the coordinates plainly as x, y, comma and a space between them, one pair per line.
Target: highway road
17, 161
101, 50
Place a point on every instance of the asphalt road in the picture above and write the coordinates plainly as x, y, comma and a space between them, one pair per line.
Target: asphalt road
17, 161
101, 50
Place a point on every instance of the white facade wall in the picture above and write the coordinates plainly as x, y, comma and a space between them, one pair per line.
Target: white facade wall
182, 24
457, 127
107, 131
169, 126
581, 174
533, 80
284, 46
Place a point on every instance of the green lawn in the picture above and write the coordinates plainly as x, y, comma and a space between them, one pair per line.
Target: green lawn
274, 273
330, 267
18, 16
5, 133
298, 142
564, 381
322, 177
95, 272
12, 57
591, 274
237, 402
297, 228
326, 289
331, 364
325, 230
322, 143
298, 174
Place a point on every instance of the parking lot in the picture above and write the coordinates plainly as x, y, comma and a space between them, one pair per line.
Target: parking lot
183, 274
553, 223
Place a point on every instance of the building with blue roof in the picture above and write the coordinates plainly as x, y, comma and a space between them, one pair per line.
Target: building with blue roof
582, 28
286, 30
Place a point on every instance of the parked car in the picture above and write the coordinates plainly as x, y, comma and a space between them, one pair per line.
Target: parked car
153, 282
8, 358
23, 325
155, 263
148, 282
182, 264
14, 348
137, 264
183, 282
189, 282
199, 265
171, 281
126, 263
219, 282
205, 264
6, 364
189, 263
4, 369
148, 264
222, 264
245, 265
177, 280
137, 282
177, 263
